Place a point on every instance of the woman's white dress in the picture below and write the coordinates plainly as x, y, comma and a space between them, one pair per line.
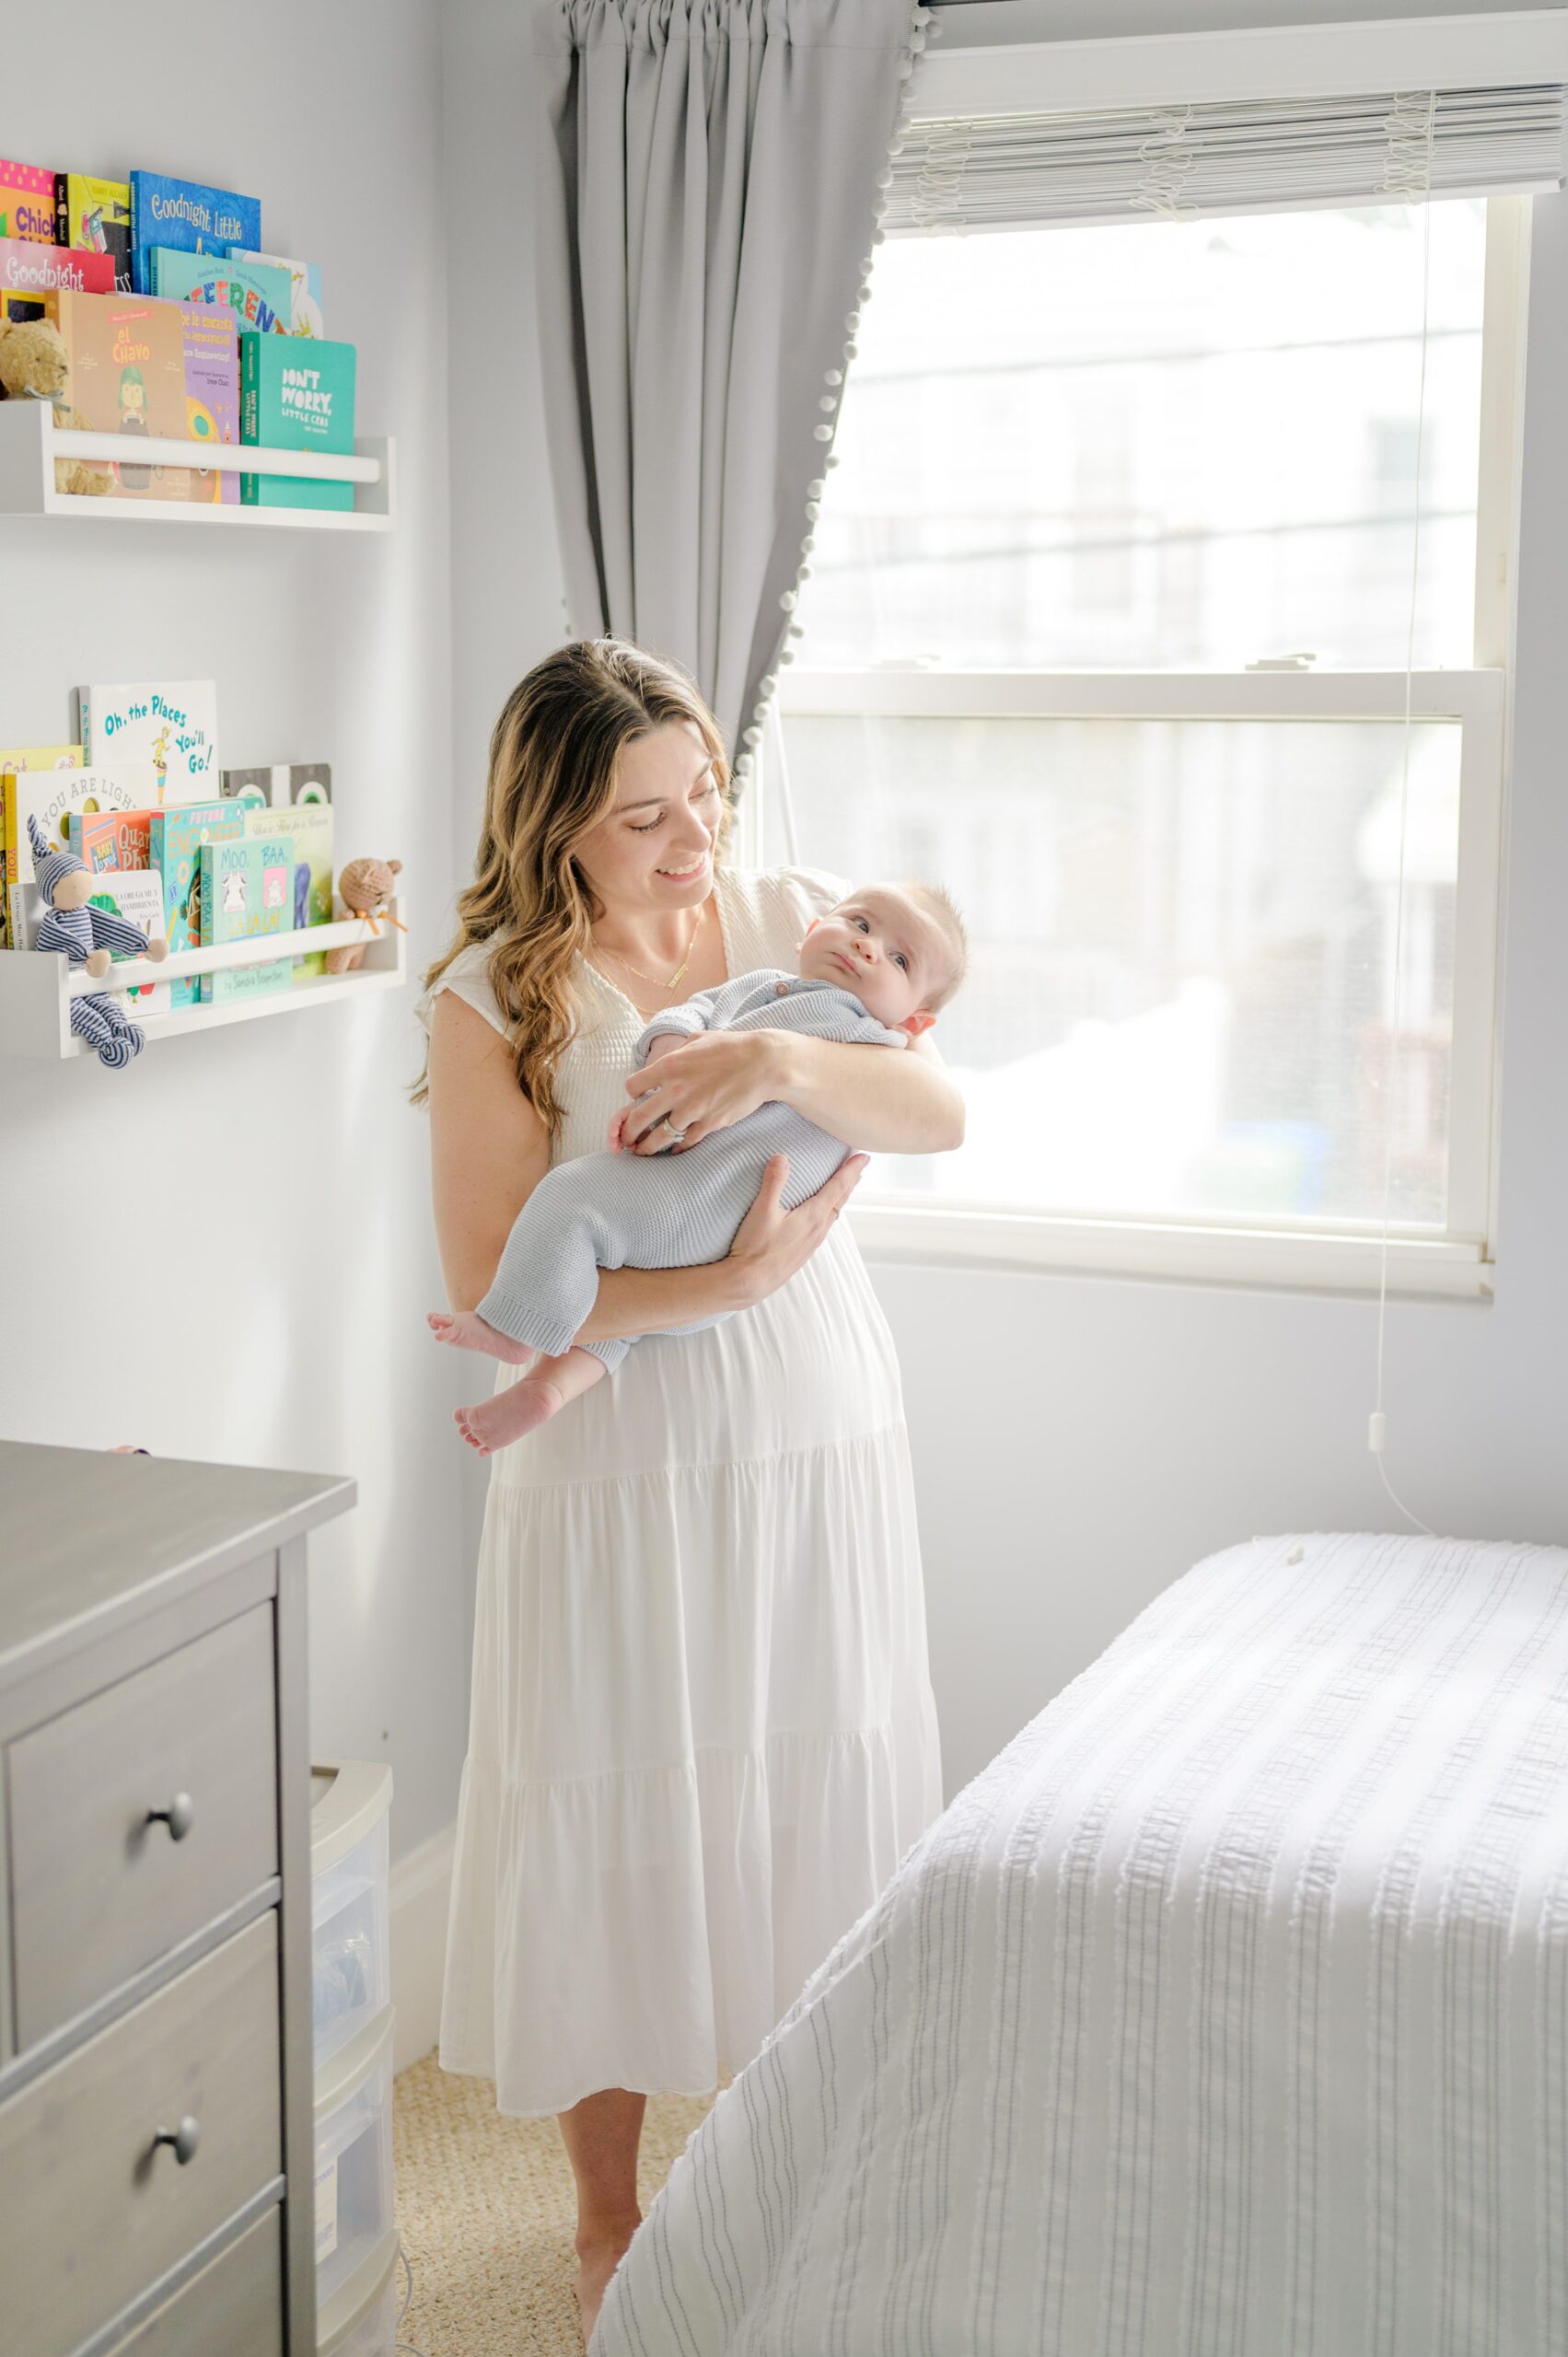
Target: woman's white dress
702, 1731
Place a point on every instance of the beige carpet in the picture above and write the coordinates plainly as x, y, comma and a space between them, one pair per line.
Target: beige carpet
485, 2210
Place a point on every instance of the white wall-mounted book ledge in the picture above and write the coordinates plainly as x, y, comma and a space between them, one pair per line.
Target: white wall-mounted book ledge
37, 986
31, 442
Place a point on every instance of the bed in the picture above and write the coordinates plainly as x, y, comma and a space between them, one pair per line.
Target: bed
1226, 2013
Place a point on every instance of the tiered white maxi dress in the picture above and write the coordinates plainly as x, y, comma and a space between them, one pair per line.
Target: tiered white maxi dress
702, 1731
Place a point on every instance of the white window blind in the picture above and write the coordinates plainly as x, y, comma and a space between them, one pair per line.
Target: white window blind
999, 171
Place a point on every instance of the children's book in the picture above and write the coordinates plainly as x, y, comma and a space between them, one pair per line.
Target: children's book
27, 202
49, 795
281, 785
308, 782
174, 848
31, 273
252, 789
190, 217
246, 888
308, 829
25, 756
305, 289
95, 217
296, 396
212, 397
164, 731
138, 896
120, 839
127, 374
256, 293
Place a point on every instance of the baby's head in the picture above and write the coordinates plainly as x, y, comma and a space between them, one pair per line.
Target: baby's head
898, 949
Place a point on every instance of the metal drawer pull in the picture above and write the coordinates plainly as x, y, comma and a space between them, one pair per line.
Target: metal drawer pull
179, 1816
184, 2139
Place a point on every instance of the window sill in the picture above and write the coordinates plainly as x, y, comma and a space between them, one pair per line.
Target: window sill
1343, 1264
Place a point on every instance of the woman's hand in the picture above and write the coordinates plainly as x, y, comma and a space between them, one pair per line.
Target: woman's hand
697, 1086
770, 1244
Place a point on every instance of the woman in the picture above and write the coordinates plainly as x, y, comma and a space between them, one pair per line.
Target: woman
702, 1729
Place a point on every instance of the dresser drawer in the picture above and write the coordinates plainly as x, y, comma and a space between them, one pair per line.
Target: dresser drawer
234, 2308
91, 2208
101, 1888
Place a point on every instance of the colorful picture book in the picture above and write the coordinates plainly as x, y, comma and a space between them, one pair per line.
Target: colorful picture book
49, 795
305, 289
95, 217
162, 732
127, 374
212, 396
246, 888
27, 202
110, 838
257, 294
30, 273
138, 896
308, 830
280, 784
189, 215
296, 396
26, 757
174, 848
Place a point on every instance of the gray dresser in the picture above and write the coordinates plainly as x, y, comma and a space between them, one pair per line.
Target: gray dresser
155, 2084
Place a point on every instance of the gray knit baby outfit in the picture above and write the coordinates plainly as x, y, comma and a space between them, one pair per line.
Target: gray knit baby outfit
671, 1211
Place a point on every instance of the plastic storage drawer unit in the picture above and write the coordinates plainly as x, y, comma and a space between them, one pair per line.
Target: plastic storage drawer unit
361, 2320
353, 1971
353, 2157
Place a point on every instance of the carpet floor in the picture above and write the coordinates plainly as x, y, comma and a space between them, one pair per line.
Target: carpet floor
486, 2215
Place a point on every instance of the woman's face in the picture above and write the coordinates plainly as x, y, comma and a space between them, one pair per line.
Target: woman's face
654, 849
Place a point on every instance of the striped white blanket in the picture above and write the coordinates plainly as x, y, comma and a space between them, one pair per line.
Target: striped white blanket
1225, 2013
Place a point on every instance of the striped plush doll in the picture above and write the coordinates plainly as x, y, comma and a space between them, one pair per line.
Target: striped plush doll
86, 935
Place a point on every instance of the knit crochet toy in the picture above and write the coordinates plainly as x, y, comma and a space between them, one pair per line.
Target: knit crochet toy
33, 367
364, 886
86, 935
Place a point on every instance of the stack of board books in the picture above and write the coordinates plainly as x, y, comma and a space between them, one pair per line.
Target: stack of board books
189, 852
177, 324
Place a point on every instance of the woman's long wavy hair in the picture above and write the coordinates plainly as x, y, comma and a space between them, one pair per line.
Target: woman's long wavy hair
553, 756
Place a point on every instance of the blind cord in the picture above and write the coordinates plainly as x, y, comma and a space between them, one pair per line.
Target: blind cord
405, 2348
1401, 175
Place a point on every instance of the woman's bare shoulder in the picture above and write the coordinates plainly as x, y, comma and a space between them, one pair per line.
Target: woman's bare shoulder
466, 978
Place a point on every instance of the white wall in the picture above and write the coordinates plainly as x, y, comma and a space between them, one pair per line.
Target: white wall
226, 1251
1080, 1442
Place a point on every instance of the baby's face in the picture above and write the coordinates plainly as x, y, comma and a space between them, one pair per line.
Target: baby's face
883, 949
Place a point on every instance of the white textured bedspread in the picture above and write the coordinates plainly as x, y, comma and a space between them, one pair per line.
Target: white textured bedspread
1225, 2013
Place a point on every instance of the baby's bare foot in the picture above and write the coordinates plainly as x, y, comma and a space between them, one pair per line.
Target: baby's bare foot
495, 1424
469, 1331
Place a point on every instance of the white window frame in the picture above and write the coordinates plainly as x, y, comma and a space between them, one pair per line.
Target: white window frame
1345, 1256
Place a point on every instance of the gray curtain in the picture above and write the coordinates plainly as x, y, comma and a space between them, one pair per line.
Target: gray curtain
709, 182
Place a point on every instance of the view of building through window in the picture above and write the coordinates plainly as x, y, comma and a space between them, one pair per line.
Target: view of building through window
1180, 990
1157, 443
1141, 447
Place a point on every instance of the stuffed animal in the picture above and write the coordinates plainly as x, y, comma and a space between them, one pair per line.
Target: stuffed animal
86, 935
33, 367
365, 886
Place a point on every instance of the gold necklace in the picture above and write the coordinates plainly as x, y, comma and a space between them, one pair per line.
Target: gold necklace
653, 978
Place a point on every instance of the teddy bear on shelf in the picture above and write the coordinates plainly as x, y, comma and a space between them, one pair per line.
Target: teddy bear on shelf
33, 367
87, 934
364, 886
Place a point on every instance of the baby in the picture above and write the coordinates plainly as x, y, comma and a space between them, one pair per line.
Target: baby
874, 970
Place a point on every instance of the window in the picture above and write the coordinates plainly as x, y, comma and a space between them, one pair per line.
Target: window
1106, 627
